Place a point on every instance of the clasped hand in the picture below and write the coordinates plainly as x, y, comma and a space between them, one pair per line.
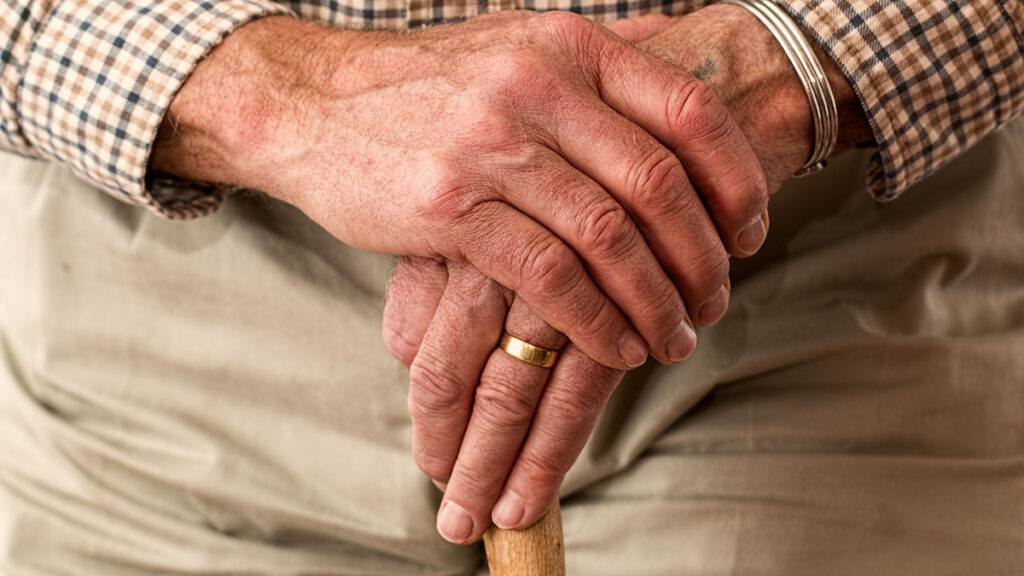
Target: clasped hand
542, 174
545, 150
499, 434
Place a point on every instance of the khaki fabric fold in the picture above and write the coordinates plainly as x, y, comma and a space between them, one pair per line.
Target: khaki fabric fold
213, 397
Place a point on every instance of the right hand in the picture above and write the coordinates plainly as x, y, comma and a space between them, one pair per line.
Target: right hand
543, 149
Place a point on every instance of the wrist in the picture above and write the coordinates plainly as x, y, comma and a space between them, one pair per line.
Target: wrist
234, 119
729, 49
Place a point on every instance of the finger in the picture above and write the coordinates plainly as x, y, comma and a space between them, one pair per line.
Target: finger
617, 255
729, 176
649, 181
573, 399
444, 374
413, 294
502, 411
689, 118
640, 28
526, 257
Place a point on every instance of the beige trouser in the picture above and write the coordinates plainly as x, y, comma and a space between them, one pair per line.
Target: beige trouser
213, 397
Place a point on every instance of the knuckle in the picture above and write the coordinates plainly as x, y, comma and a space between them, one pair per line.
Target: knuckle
563, 22
656, 179
473, 290
709, 269
758, 189
581, 400
696, 111
400, 346
476, 481
434, 390
607, 231
544, 467
581, 37
489, 129
431, 463
593, 321
577, 408
514, 68
523, 66
505, 408
553, 273
550, 269
662, 304
746, 199
452, 196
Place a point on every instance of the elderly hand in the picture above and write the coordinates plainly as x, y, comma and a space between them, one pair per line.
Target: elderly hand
543, 149
486, 424
499, 432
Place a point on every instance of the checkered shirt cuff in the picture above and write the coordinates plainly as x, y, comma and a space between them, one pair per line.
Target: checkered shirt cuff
98, 77
933, 77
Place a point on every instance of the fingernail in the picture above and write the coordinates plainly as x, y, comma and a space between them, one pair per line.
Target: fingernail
752, 235
682, 343
454, 523
715, 307
440, 485
632, 349
509, 511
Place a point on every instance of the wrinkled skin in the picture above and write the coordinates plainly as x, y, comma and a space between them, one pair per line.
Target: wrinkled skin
502, 434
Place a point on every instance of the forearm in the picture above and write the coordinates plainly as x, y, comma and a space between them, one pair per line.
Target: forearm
235, 120
85, 84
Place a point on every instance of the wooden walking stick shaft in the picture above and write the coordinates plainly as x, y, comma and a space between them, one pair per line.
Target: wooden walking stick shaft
537, 551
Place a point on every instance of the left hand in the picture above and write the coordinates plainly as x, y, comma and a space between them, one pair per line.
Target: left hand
499, 432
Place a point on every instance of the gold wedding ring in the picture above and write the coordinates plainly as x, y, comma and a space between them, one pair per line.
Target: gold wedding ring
527, 352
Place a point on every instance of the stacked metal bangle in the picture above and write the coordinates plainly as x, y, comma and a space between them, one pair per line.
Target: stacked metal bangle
812, 76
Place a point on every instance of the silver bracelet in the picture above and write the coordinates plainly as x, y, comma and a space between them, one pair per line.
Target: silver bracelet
812, 76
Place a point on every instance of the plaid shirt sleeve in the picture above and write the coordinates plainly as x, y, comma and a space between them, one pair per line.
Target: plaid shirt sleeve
934, 76
86, 82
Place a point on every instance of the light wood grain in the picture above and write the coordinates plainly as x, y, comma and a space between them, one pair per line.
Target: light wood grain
537, 551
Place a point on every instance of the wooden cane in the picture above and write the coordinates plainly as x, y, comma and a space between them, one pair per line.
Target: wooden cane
537, 551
